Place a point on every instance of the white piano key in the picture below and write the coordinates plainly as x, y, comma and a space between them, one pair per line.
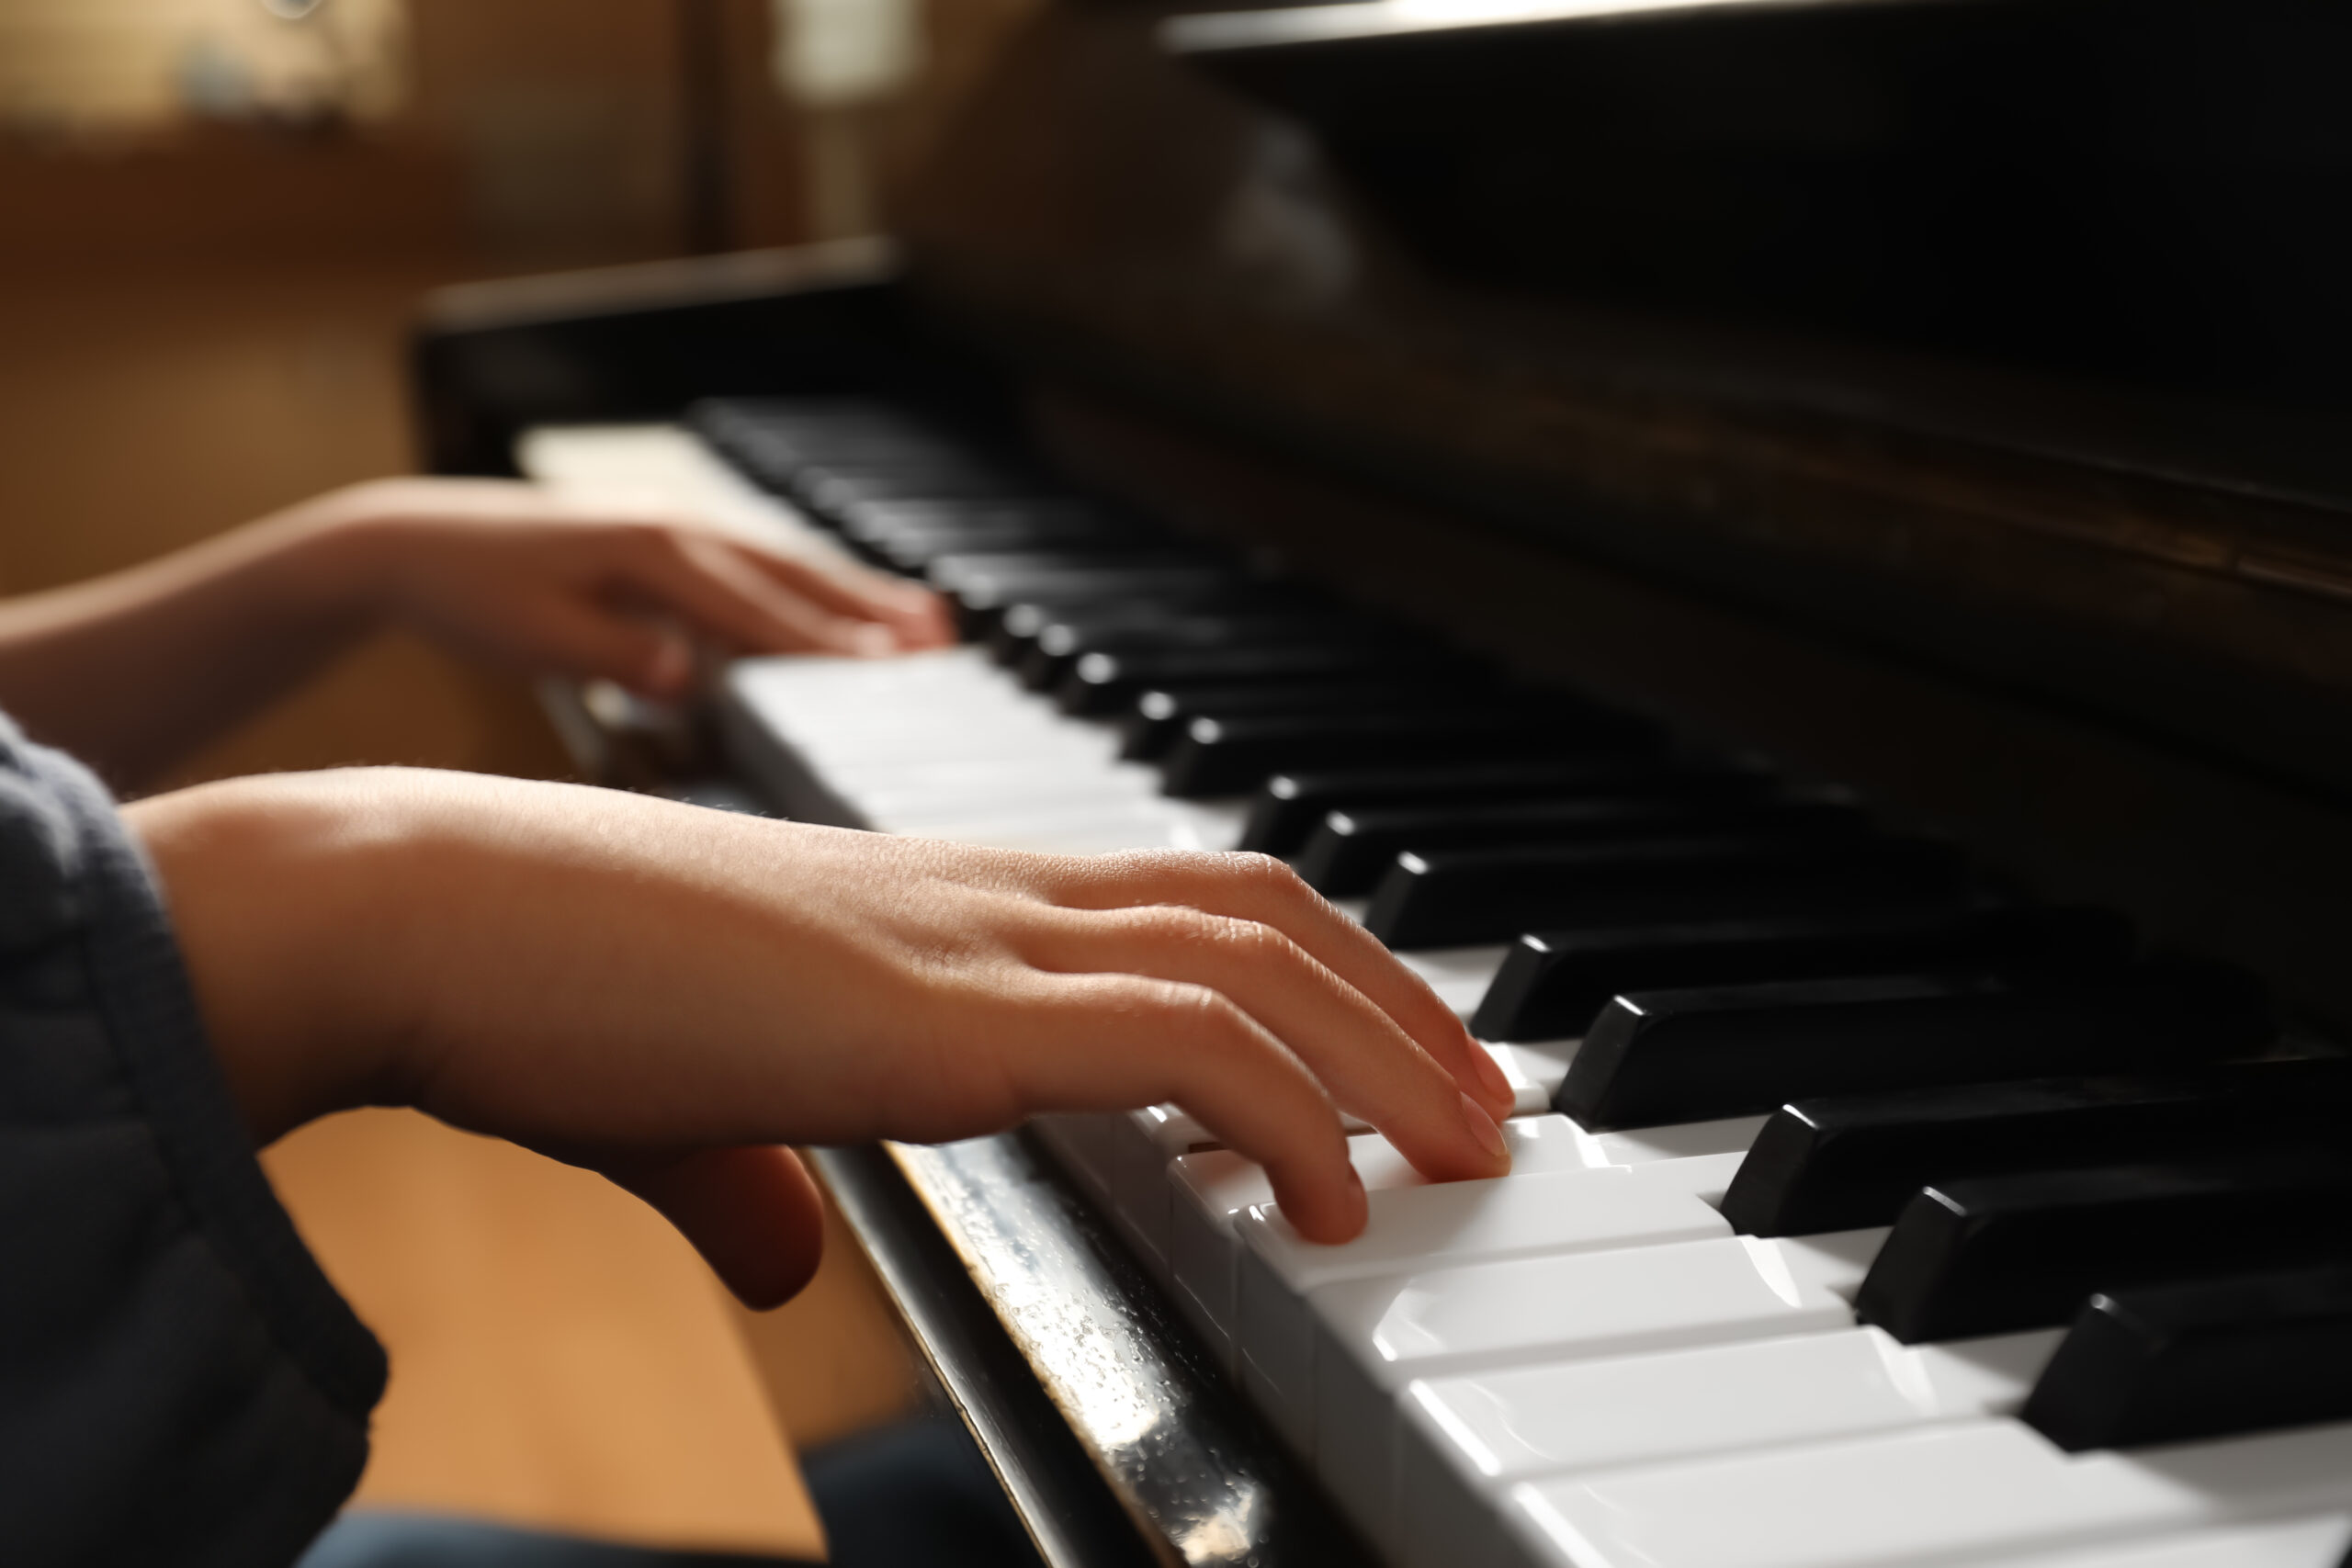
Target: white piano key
1369, 1339
661, 464
948, 744
1638, 1145
819, 684
1458, 975
1015, 752
2313, 1542
1214, 824
1208, 1190
1146, 1143
1464, 1441
1534, 1076
1993, 1489
1281, 1275
1505, 1217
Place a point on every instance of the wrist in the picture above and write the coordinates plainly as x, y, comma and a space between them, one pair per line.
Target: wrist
290, 927
335, 559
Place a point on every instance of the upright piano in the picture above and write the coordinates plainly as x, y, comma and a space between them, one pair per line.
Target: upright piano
1792, 557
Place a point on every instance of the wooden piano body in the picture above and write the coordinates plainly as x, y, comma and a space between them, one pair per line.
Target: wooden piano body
1987, 457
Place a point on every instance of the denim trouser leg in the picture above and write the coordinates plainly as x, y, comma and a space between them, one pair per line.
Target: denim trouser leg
910, 1496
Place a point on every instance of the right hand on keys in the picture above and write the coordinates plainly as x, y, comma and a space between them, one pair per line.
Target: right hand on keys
669, 994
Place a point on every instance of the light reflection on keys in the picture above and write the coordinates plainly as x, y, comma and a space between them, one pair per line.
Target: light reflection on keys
1662, 1404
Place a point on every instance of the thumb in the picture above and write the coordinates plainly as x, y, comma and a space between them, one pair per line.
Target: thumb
753, 1214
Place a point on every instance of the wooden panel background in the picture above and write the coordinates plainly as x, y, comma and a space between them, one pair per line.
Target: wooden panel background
560, 1357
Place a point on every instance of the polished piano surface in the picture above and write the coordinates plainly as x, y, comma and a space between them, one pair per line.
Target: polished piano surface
1867, 759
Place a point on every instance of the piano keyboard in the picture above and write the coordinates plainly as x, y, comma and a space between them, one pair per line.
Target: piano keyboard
1929, 1312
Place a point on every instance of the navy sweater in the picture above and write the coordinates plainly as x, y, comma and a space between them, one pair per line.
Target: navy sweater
180, 1383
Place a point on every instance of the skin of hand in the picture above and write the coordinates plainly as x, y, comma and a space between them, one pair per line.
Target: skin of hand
535, 579
669, 994
131, 671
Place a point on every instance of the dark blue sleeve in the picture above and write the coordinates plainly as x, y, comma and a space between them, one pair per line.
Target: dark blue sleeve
178, 1381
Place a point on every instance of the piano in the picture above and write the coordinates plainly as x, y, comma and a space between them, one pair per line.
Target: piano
1794, 558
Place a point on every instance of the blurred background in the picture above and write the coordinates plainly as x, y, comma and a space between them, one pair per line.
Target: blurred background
216, 217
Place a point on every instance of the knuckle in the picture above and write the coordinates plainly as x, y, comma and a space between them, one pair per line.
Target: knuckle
1142, 865
1206, 1016
1170, 925
1262, 871
1263, 944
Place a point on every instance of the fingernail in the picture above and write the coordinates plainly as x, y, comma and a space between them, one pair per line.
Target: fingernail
1482, 1127
1491, 1076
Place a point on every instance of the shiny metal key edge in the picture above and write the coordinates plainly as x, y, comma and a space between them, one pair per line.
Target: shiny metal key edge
1198, 1476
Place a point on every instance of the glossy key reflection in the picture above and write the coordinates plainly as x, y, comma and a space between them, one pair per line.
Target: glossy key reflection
2171, 1364
1498, 1369
1556, 982
2000, 1253
1722, 1051
1835, 1164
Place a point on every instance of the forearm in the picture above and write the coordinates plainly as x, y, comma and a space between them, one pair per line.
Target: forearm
132, 671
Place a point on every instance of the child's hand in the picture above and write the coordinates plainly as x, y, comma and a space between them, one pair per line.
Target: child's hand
132, 671
533, 579
666, 994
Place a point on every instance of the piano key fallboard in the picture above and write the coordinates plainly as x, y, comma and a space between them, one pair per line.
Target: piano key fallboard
1863, 1210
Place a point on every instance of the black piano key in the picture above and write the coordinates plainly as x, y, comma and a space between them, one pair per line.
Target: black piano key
1661, 1057
2171, 1364
982, 588
1024, 625
1161, 715
911, 547
2010, 1252
775, 453
1056, 649
1102, 683
1290, 807
1002, 576
1074, 624
1553, 984
1352, 849
1218, 757
833, 490
1021, 620
1055, 521
1831, 1165
1453, 898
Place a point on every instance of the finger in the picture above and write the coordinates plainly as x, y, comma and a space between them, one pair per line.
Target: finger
1366, 1062
1260, 889
1114, 1041
753, 1214
708, 582
916, 616
587, 641
920, 618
